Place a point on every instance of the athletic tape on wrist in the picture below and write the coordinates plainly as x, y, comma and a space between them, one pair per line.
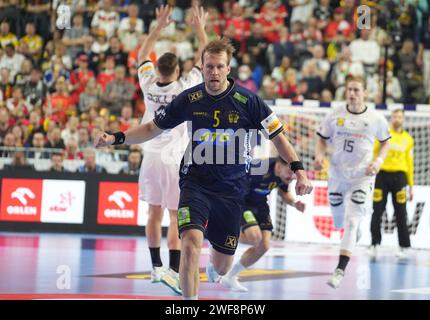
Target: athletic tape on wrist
119, 137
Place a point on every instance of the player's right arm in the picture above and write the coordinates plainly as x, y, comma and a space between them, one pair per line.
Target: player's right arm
139, 134
320, 153
198, 23
163, 20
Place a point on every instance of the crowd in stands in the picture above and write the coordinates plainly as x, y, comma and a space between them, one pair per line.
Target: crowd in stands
62, 84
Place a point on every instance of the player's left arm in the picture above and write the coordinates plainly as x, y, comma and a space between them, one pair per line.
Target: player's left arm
287, 152
198, 23
288, 197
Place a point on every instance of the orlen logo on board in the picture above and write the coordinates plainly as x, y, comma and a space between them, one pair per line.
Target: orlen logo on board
21, 200
118, 203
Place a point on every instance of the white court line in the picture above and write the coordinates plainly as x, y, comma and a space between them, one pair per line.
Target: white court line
414, 290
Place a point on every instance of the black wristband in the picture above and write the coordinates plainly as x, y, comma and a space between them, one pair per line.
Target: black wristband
296, 165
119, 137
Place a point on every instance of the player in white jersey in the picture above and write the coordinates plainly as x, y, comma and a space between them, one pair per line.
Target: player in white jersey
351, 131
159, 173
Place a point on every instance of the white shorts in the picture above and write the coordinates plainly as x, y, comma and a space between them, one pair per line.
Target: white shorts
350, 198
159, 182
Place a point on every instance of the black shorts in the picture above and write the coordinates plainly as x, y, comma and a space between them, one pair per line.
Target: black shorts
254, 215
216, 216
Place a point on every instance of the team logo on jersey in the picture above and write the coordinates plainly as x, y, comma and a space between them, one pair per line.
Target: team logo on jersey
240, 97
340, 122
233, 117
231, 242
146, 68
195, 96
203, 114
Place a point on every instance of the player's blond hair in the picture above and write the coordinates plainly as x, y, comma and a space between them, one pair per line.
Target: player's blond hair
218, 46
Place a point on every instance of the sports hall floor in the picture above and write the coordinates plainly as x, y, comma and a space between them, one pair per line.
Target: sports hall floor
70, 266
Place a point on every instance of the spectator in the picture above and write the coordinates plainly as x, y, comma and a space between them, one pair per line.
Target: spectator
7, 147
35, 90
71, 130
57, 162
17, 106
281, 48
38, 145
90, 96
326, 96
71, 151
244, 75
74, 37
7, 37
133, 164
23, 76
90, 165
33, 41
38, 11
302, 10
278, 73
19, 134
19, 162
80, 77
118, 91
322, 65
106, 19
11, 60
5, 122
322, 12
272, 15
269, 89
115, 51
366, 51
409, 73
59, 103
54, 139
83, 139
6, 84
132, 22
257, 46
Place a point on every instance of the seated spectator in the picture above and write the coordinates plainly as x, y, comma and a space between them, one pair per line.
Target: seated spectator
268, 90
91, 95
7, 147
132, 21
302, 10
118, 92
35, 90
133, 164
73, 38
5, 122
17, 106
19, 162
90, 165
54, 139
55, 71
11, 60
366, 51
321, 63
326, 96
7, 37
57, 163
60, 54
322, 12
80, 77
107, 74
33, 41
244, 75
278, 72
59, 103
312, 77
71, 130
288, 86
71, 151
106, 19
278, 50
84, 138
38, 145
23, 76
126, 116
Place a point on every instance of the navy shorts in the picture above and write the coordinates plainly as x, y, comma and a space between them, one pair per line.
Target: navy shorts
257, 215
217, 216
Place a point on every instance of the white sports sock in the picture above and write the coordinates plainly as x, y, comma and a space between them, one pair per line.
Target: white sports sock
237, 268
191, 298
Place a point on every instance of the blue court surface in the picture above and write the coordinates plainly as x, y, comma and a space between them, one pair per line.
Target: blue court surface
70, 266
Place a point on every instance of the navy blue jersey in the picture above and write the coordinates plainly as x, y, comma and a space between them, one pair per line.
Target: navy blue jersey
222, 128
261, 185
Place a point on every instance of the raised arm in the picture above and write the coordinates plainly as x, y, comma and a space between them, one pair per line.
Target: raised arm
163, 20
287, 152
198, 23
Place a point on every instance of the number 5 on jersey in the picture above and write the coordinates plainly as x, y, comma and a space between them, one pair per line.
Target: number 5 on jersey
216, 118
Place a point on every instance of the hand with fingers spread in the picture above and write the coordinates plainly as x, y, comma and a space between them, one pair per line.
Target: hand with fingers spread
163, 16
199, 18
